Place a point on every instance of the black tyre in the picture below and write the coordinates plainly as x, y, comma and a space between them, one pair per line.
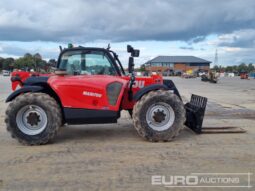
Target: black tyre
159, 116
33, 118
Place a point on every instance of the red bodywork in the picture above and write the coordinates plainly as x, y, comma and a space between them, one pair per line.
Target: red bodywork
85, 91
89, 91
140, 82
23, 76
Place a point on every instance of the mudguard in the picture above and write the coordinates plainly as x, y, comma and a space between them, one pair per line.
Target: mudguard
36, 81
147, 89
24, 89
170, 84
167, 85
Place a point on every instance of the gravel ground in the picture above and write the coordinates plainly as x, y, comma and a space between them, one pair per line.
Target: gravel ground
114, 157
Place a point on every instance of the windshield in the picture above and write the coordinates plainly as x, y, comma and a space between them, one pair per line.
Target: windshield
90, 63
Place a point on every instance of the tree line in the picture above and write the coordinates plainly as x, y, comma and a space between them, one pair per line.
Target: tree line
236, 68
27, 63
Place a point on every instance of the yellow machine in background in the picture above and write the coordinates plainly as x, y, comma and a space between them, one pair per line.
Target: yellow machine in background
189, 74
212, 77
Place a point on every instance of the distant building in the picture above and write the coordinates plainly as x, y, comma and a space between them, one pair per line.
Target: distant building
177, 64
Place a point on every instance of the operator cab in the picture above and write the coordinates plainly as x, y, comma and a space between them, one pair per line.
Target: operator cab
85, 61
89, 61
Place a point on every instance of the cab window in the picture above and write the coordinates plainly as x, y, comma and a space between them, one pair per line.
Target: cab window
87, 63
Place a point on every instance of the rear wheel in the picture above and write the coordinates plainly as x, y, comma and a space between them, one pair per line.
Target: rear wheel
159, 116
33, 118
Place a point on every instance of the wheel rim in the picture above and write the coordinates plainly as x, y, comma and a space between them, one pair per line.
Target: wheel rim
31, 119
160, 116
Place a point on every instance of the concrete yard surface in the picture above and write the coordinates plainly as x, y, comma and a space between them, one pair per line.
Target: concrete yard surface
114, 157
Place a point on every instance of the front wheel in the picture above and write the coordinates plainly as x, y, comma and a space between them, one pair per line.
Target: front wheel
159, 116
33, 118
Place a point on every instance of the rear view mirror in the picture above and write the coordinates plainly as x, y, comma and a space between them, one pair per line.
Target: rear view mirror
135, 53
129, 48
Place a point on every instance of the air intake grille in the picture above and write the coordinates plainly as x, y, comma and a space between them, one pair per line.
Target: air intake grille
113, 91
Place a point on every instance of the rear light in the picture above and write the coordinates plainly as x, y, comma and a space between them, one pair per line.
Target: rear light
15, 78
113, 92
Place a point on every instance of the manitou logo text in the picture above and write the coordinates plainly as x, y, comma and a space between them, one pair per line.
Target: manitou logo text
92, 94
138, 84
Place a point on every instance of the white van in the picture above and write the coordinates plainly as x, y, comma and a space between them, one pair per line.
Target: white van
6, 73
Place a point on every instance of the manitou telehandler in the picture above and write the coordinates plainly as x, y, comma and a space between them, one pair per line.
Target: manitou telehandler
90, 86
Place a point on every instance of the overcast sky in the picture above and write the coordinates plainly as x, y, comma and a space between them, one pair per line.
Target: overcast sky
157, 27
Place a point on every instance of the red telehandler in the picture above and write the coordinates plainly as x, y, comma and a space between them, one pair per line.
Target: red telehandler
90, 86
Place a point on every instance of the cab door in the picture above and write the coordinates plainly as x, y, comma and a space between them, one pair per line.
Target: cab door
92, 81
